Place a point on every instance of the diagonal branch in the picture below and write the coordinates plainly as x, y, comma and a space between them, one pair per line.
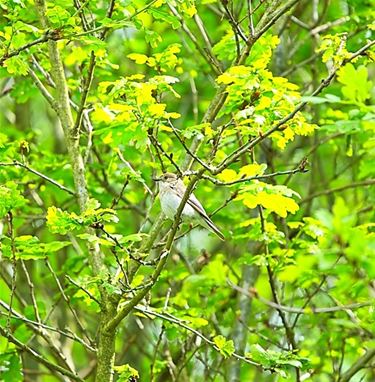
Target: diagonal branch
357, 366
231, 158
35, 172
39, 358
129, 306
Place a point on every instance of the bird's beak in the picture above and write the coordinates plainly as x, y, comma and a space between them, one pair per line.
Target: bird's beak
156, 179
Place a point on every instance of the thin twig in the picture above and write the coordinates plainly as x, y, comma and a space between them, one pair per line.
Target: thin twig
68, 334
279, 125
39, 358
91, 296
66, 299
35, 172
170, 318
368, 182
293, 309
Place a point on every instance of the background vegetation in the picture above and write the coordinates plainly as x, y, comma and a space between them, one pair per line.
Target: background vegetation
265, 107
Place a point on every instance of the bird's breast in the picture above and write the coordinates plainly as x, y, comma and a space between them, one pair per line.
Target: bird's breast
169, 204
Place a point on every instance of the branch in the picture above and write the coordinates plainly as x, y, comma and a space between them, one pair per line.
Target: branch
278, 13
211, 60
367, 182
279, 125
358, 365
188, 151
36, 325
289, 332
292, 309
170, 318
49, 35
256, 177
39, 358
46, 94
128, 307
15, 163
90, 74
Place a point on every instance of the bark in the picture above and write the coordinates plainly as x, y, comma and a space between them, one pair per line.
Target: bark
106, 349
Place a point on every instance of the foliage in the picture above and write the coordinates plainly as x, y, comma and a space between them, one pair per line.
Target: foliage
265, 109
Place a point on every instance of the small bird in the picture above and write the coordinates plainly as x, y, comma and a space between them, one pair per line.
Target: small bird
171, 192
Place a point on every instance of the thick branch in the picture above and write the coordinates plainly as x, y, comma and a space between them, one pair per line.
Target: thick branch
129, 306
358, 365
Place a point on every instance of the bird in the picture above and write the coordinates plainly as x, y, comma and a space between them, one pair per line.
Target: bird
171, 192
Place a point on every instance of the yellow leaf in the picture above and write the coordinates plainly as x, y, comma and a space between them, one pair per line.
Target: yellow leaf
239, 70
158, 3
228, 175
165, 128
157, 109
138, 58
144, 93
135, 77
173, 115
151, 62
264, 103
277, 203
250, 200
280, 141
252, 169
288, 134
101, 114
190, 11
174, 48
108, 138
225, 78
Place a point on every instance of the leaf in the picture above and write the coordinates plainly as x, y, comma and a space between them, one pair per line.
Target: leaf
274, 198
59, 221
10, 198
157, 109
126, 372
277, 361
226, 348
356, 86
29, 247
62, 222
138, 58
228, 175
164, 16
133, 238
252, 170
16, 66
10, 366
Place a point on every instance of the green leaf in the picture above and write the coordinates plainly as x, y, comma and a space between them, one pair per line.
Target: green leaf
355, 80
279, 362
59, 221
29, 247
10, 366
226, 347
164, 16
10, 198
16, 66
126, 372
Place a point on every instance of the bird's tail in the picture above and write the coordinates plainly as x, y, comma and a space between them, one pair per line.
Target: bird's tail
212, 227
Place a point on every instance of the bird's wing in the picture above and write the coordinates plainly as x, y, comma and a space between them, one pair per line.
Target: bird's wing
207, 222
194, 202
